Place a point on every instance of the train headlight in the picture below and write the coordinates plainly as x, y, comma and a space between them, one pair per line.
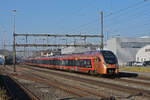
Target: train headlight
117, 65
104, 65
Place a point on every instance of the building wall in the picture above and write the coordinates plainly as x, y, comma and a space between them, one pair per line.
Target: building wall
126, 48
71, 50
2, 56
143, 54
111, 45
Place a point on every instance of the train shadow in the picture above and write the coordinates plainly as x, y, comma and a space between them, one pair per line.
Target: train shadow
112, 76
121, 75
126, 74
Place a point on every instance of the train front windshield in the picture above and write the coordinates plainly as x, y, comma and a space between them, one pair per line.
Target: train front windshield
109, 57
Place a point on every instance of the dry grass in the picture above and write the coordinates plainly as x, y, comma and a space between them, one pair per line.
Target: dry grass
135, 69
3, 94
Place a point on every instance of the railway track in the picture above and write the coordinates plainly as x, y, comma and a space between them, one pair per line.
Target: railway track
133, 91
144, 78
134, 75
15, 90
117, 79
127, 89
133, 81
75, 90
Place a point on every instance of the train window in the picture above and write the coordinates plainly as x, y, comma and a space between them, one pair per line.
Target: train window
43, 61
56, 62
66, 62
70, 63
46, 62
83, 63
77, 63
34, 61
62, 63
51, 62
38, 61
109, 57
87, 63
73, 62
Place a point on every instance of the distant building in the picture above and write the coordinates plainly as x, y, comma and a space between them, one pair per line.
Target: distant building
5, 52
71, 50
126, 48
143, 54
6, 56
48, 52
51, 52
2, 56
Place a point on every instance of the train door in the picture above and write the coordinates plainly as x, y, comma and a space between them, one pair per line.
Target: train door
76, 64
97, 65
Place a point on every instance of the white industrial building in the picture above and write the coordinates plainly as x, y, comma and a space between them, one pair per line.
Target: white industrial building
126, 48
70, 50
143, 54
4, 53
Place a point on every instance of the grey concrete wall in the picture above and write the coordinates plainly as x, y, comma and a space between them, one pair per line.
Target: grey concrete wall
126, 48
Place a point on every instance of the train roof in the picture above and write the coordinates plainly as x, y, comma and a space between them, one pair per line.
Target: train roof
83, 54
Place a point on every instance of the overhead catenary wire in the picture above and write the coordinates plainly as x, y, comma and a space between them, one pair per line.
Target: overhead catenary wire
114, 22
126, 8
132, 21
134, 24
108, 15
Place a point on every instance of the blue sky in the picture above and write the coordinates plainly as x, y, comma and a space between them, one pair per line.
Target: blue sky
130, 18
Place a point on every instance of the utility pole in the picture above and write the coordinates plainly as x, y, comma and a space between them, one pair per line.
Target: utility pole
26, 49
107, 32
47, 42
14, 41
4, 40
102, 34
4, 43
35, 43
43, 44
